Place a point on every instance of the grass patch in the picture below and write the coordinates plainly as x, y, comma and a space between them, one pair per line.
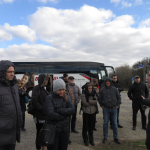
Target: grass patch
125, 145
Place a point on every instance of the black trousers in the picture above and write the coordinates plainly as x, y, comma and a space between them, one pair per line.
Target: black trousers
8, 147
38, 128
23, 119
95, 120
117, 116
143, 117
60, 141
88, 125
73, 120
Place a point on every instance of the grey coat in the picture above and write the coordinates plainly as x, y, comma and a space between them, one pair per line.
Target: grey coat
10, 110
89, 107
109, 96
76, 92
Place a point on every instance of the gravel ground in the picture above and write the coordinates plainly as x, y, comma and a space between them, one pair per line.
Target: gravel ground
126, 133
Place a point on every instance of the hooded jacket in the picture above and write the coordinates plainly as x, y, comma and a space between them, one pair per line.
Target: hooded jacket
10, 110
38, 96
109, 96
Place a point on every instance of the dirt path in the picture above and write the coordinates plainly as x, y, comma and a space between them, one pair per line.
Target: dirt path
126, 133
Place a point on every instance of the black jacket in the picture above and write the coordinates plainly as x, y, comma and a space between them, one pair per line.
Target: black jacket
117, 85
109, 96
58, 111
135, 92
22, 101
38, 98
147, 103
10, 111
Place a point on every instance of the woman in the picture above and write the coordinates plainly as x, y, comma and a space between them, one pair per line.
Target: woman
58, 110
39, 94
89, 102
24, 80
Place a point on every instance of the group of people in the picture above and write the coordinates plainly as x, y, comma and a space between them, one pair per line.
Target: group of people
58, 105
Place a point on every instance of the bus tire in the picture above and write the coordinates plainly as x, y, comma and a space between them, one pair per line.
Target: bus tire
28, 92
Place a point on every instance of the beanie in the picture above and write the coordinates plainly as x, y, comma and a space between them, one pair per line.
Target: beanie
58, 84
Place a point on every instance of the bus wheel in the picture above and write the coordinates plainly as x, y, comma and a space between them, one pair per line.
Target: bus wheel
29, 92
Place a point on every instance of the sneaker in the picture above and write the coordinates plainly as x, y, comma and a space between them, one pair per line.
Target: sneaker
119, 126
117, 141
104, 140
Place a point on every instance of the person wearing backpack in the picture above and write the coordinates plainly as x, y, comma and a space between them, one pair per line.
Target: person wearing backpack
39, 93
89, 102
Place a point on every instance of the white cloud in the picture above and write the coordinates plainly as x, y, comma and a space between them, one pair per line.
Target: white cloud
138, 2
87, 34
21, 31
6, 1
145, 23
122, 2
45, 1
4, 36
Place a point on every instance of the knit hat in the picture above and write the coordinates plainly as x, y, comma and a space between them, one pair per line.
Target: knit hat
58, 84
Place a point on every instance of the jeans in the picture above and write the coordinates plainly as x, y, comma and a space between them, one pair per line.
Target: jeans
8, 147
110, 113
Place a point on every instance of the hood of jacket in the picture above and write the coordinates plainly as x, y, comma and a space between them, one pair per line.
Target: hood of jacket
41, 79
108, 79
4, 65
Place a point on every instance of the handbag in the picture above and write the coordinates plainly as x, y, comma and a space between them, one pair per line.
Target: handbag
31, 109
46, 135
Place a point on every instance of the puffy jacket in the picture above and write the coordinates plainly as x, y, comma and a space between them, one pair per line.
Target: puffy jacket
90, 106
38, 97
109, 96
76, 92
58, 111
135, 92
10, 110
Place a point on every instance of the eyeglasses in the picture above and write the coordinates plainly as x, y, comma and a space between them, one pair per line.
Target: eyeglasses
10, 72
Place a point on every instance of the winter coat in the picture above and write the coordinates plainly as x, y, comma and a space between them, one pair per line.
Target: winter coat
10, 110
38, 97
22, 101
90, 106
135, 92
147, 143
117, 85
58, 111
76, 92
109, 96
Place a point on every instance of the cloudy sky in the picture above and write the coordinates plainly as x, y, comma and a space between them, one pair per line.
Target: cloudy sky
113, 32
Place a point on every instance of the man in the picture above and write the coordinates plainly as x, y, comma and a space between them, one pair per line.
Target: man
135, 93
109, 99
65, 76
77, 95
10, 111
116, 84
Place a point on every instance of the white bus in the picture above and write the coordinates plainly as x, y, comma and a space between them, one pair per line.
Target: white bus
83, 71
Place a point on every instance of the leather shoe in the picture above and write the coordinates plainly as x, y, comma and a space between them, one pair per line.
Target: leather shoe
23, 129
134, 128
95, 129
86, 143
119, 126
92, 143
104, 140
75, 131
117, 141
144, 128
